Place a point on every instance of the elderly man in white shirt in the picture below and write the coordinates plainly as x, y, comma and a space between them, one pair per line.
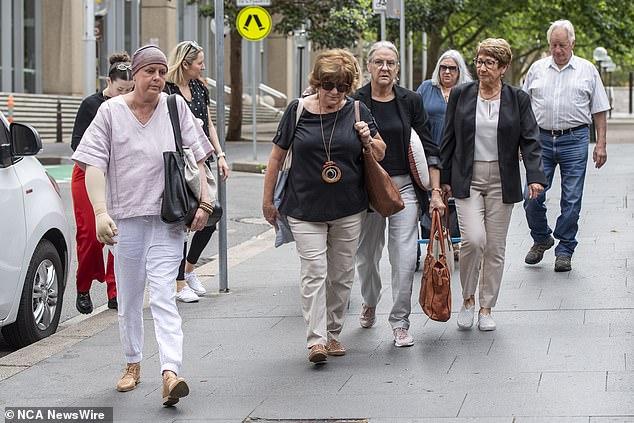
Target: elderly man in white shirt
566, 93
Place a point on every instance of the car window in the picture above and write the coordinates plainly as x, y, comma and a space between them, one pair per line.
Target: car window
4, 135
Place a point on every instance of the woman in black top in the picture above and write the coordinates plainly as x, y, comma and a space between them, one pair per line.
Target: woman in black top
397, 111
325, 198
90, 264
185, 65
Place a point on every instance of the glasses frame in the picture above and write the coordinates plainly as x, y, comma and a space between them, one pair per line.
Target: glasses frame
341, 88
445, 68
385, 63
477, 62
120, 66
192, 44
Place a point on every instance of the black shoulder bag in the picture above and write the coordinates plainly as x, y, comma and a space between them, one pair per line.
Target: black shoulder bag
179, 202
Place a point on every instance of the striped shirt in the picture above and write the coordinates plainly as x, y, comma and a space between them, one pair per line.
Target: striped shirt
565, 98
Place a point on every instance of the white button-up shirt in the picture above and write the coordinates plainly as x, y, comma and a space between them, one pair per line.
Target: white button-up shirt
565, 98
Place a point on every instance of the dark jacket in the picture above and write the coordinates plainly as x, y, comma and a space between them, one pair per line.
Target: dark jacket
410, 109
517, 130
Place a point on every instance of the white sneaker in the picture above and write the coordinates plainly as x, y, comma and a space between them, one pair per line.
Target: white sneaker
402, 338
194, 283
186, 295
486, 322
465, 317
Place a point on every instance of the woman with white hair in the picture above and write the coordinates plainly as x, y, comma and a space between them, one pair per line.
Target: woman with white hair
450, 71
397, 111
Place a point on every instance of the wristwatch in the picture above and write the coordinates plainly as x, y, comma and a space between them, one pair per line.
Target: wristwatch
221, 155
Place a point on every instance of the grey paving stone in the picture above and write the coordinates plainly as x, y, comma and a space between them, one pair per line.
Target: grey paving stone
579, 381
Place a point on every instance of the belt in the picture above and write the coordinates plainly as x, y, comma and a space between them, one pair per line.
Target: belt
560, 132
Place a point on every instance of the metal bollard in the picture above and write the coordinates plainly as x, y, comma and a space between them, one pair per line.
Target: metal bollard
10, 105
59, 121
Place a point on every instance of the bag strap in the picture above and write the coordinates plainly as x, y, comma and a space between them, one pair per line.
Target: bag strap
357, 112
435, 232
300, 109
176, 125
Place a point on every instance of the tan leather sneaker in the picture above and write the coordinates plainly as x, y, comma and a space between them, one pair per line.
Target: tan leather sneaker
131, 378
174, 388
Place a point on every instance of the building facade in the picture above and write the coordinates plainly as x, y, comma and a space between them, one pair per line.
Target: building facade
43, 43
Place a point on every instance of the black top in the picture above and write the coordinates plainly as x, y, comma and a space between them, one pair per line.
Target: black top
517, 131
308, 197
85, 114
391, 129
200, 100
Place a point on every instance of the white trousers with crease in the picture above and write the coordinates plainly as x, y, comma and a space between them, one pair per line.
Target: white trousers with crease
148, 249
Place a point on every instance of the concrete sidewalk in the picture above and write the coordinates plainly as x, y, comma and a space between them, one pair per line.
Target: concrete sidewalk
563, 351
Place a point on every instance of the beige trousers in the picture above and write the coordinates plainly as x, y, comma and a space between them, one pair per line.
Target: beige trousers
484, 222
326, 251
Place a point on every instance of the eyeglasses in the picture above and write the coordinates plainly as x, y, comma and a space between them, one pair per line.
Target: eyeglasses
120, 66
328, 86
489, 63
390, 64
444, 68
192, 45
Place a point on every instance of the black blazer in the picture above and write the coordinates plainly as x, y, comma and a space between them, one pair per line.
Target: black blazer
412, 114
517, 131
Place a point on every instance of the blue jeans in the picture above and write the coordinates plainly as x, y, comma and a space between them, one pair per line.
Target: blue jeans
570, 152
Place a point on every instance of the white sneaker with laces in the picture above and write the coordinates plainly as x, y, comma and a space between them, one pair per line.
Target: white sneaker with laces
486, 322
186, 295
465, 317
402, 338
194, 283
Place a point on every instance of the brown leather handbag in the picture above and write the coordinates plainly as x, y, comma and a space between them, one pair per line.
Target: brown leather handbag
435, 290
385, 198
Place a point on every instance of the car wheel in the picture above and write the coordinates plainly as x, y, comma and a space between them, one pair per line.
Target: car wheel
41, 301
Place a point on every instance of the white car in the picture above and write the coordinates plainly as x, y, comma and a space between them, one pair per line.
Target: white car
34, 240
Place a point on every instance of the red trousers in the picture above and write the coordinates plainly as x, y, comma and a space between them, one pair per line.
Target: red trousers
90, 261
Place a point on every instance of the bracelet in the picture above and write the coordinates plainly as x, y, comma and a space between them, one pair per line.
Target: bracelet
219, 155
437, 189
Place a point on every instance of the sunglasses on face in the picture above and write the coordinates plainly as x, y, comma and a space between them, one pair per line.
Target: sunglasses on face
328, 86
444, 68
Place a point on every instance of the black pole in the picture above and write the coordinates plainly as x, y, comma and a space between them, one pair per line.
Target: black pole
59, 121
631, 83
300, 78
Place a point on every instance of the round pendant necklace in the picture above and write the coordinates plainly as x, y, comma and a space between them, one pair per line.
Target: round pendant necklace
330, 171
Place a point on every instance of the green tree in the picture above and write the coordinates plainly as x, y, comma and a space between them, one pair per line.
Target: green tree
329, 23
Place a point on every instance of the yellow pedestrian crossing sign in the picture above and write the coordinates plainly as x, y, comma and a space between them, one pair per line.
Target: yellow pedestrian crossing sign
253, 23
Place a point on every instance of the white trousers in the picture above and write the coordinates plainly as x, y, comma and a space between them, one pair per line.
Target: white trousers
484, 222
148, 249
326, 251
402, 246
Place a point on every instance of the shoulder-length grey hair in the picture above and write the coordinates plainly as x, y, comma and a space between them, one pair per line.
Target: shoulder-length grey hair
464, 74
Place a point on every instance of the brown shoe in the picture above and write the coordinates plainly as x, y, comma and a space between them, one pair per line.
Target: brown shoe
335, 348
131, 378
318, 354
174, 388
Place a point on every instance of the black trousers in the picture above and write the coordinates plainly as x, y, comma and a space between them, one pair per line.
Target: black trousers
198, 244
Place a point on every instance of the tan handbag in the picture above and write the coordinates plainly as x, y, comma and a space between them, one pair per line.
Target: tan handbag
435, 290
385, 198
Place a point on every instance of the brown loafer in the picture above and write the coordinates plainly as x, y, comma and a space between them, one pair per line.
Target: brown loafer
131, 378
174, 388
335, 348
318, 354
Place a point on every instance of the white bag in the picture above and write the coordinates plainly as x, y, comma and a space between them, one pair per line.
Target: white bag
192, 176
418, 162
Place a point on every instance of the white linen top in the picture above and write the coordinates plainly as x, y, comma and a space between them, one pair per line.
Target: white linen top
565, 98
486, 133
131, 154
